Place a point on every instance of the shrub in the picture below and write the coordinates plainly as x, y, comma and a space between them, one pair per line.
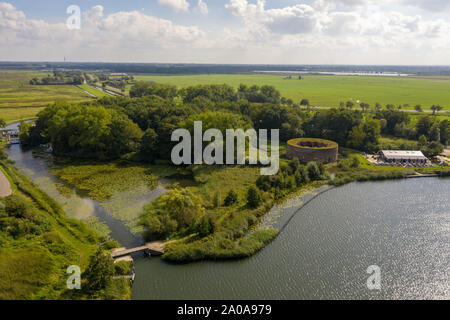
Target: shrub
122, 268
99, 273
253, 198
313, 171
231, 198
206, 225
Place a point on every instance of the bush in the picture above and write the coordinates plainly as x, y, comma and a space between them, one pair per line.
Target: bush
313, 171
122, 268
206, 225
99, 273
231, 198
351, 162
253, 198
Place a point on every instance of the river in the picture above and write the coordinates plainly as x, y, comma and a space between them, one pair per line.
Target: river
401, 226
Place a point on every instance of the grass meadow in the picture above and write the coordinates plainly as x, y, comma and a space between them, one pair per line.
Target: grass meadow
20, 100
92, 90
328, 91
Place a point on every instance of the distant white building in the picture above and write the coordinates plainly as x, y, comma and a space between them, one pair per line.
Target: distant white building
401, 156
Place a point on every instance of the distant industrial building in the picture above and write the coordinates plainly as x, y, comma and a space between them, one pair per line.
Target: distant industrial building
402, 156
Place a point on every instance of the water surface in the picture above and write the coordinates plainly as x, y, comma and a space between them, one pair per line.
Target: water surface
325, 250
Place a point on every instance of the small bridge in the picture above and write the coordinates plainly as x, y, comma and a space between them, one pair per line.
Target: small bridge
153, 248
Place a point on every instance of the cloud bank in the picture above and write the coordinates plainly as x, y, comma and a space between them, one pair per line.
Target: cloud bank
325, 31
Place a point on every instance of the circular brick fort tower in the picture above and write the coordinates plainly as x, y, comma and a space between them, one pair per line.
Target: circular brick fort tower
312, 149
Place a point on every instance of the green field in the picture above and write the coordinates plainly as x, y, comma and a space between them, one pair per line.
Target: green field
92, 90
20, 100
328, 91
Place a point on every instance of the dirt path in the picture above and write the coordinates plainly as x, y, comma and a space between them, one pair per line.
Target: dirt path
5, 187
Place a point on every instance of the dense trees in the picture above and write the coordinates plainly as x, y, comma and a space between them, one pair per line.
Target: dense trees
263, 94
393, 118
86, 131
171, 213
287, 119
444, 127
142, 88
333, 124
59, 78
291, 176
365, 137
112, 127
213, 93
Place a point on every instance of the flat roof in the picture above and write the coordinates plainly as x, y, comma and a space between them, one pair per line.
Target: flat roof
403, 154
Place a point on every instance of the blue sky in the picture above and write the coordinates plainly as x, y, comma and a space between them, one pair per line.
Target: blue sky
229, 31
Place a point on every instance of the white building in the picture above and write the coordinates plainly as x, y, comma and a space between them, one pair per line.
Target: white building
401, 156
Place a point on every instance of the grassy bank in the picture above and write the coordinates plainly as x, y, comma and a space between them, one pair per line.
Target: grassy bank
38, 242
92, 90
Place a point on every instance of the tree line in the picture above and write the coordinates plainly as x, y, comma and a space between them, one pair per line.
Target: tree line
142, 124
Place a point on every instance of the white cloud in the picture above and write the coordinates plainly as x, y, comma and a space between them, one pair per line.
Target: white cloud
121, 34
431, 5
327, 31
202, 7
355, 31
177, 5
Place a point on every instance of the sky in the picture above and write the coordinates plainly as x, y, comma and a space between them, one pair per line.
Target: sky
386, 32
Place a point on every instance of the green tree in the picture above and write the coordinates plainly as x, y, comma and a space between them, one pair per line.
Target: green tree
301, 176
149, 144
99, 272
423, 126
313, 171
206, 225
435, 108
231, 198
171, 212
2, 123
364, 106
372, 131
444, 128
435, 132
356, 138
422, 142
433, 149
253, 197
304, 102
349, 104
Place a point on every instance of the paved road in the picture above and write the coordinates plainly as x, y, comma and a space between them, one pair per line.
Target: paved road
5, 187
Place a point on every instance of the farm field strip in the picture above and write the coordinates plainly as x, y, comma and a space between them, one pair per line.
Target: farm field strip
328, 91
20, 100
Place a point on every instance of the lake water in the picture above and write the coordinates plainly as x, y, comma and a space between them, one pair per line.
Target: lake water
324, 252
402, 226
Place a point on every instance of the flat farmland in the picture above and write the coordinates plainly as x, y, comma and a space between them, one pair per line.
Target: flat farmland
328, 91
20, 100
